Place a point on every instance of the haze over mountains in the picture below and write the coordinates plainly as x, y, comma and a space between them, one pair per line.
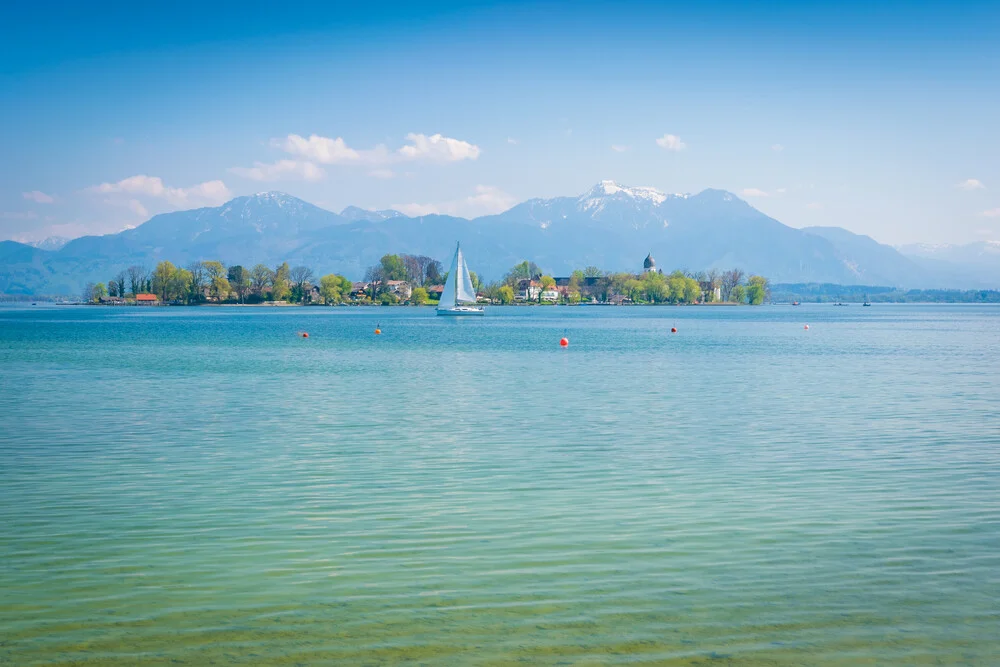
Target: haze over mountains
610, 226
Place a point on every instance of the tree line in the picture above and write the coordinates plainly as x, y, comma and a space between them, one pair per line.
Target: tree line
212, 281
732, 286
206, 281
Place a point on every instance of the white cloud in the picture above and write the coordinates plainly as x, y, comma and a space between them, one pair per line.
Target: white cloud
781, 191
433, 148
19, 215
207, 193
971, 184
38, 196
486, 201
281, 170
382, 173
437, 148
991, 213
754, 192
513, 142
619, 148
814, 206
671, 142
321, 149
777, 148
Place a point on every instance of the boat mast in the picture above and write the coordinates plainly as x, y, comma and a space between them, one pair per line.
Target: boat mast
458, 268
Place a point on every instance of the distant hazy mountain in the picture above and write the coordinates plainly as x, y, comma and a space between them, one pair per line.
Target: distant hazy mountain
353, 213
610, 226
980, 261
872, 262
51, 243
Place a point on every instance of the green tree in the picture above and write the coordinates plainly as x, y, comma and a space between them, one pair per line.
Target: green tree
729, 280
757, 290
220, 288
180, 284
280, 283
260, 278
334, 289
547, 282
98, 292
655, 286
163, 275
136, 278
112, 287
477, 284
738, 294
199, 280
433, 273
120, 279
419, 296
677, 285
393, 267
635, 290
388, 298
692, 290
215, 276
506, 294
300, 275
592, 272
524, 271
239, 281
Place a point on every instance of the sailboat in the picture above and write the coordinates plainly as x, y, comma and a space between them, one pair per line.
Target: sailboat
459, 297
867, 302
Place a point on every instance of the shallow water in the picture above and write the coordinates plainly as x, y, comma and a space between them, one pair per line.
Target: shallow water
204, 486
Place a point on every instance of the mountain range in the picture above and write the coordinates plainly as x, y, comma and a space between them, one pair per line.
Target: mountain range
610, 226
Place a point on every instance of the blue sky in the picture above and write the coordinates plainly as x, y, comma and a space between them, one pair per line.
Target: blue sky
882, 120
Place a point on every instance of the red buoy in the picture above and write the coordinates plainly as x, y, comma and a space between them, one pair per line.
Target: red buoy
806, 327
305, 335
673, 329
564, 342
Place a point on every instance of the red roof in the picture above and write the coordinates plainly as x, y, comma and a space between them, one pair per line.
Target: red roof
146, 297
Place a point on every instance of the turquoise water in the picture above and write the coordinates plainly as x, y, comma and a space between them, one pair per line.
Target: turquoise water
204, 486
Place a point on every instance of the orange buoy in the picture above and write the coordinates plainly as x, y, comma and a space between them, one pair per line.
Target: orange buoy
305, 335
673, 329
378, 331
564, 342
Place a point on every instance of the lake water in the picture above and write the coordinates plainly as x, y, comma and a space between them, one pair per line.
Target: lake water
205, 486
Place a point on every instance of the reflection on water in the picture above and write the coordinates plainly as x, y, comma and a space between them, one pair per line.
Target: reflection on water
202, 485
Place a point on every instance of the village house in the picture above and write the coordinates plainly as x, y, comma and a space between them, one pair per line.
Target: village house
400, 288
435, 291
147, 300
359, 290
527, 290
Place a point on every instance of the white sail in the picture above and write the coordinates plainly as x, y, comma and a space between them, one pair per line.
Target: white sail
448, 296
465, 292
458, 297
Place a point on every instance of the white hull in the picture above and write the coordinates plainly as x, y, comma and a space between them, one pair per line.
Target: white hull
461, 310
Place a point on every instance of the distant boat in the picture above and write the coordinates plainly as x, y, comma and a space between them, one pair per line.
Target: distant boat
795, 303
866, 303
458, 296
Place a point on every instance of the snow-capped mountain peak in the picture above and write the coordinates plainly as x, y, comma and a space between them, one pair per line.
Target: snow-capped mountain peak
609, 188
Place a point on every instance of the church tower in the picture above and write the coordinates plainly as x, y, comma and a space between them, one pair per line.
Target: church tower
649, 264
